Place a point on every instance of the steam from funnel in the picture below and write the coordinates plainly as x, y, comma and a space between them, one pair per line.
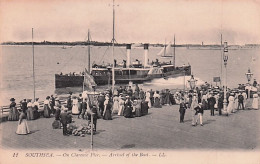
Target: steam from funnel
128, 55
146, 55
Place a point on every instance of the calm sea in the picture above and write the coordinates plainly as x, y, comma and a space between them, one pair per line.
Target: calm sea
16, 66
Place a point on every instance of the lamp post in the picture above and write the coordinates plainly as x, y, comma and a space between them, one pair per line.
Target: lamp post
91, 121
249, 76
192, 82
225, 59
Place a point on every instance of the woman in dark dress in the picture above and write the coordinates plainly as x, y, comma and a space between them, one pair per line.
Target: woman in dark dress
13, 112
107, 110
36, 107
144, 108
47, 109
128, 108
172, 100
167, 97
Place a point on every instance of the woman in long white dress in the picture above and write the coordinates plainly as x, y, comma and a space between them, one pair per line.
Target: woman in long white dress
115, 105
235, 103
230, 103
177, 98
121, 106
147, 98
22, 127
255, 101
216, 98
75, 108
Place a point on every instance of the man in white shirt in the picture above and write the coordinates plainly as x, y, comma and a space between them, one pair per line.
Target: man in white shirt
245, 97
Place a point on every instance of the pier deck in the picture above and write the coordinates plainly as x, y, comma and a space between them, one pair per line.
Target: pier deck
160, 129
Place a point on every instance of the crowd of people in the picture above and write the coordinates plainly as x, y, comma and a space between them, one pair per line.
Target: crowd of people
212, 99
129, 103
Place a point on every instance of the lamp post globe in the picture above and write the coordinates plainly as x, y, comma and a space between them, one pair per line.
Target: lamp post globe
249, 75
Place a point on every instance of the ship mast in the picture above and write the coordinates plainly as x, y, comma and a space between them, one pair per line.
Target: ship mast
88, 51
113, 44
164, 52
33, 68
173, 51
88, 43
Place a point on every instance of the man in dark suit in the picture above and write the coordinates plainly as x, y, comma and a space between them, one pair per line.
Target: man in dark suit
52, 104
101, 100
84, 107
64, 121
212, 102
69, 103
182, 110
241, 101
24, 105
93, 111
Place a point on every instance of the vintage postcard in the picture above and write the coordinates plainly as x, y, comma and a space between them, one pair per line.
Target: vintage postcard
169, 81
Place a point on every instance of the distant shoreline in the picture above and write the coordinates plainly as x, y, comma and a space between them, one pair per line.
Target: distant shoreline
95, 43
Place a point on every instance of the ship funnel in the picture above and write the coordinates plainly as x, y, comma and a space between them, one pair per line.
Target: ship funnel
146, 55
128, 53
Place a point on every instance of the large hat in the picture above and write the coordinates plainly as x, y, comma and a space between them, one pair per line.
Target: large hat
12, 99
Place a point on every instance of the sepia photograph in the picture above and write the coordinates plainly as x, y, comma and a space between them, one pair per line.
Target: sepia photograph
133, 81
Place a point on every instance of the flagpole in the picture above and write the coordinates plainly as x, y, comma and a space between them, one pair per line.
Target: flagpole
33, 68
113, 44
221, 76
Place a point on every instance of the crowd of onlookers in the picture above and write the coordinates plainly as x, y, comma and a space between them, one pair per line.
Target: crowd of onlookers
129, 102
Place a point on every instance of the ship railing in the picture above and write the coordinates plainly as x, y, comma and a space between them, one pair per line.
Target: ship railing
132, 76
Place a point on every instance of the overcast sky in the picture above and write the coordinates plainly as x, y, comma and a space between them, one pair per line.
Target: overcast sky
152, 21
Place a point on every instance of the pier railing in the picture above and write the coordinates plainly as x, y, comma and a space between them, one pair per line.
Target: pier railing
5, 109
